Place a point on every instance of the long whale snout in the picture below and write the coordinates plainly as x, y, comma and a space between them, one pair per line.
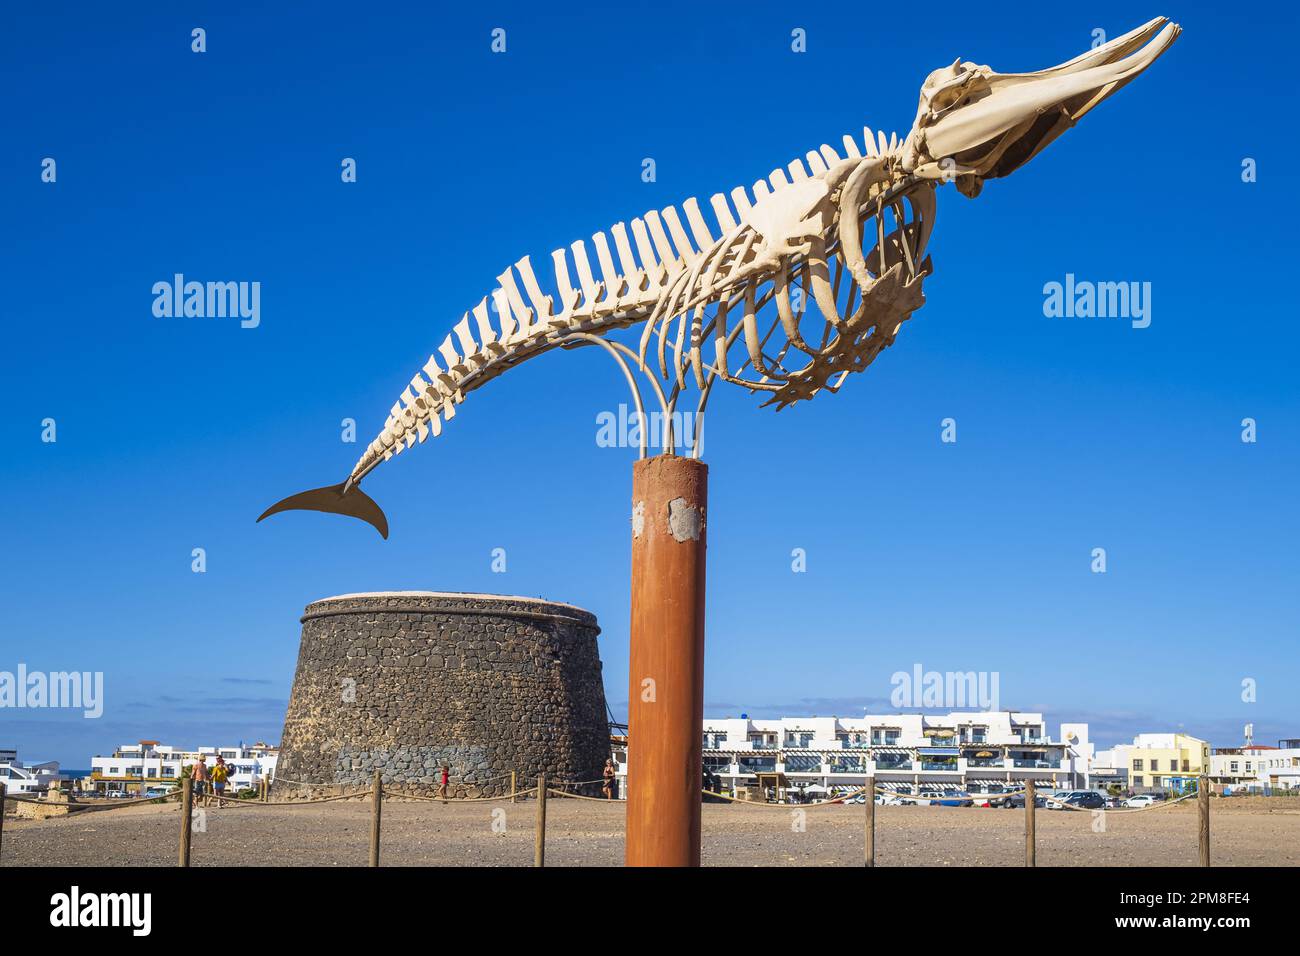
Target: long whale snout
335, 499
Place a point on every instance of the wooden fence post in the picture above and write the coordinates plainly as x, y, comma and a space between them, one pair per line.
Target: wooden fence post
513, 787
1203, 799
539, 837
3, 791
870, 859
187, 820
1031, 848
377, 804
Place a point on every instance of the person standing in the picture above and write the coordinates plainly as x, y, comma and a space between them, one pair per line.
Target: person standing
220, 774
199, 778
610, 774
442, 787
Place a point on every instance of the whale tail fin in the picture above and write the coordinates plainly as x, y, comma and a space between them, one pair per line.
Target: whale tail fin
335, 499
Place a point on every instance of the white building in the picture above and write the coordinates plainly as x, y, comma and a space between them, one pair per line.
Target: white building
21, 780
133, 768
905, 752
1256, 768
1110, 767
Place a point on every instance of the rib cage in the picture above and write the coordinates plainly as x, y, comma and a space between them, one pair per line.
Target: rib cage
785, 235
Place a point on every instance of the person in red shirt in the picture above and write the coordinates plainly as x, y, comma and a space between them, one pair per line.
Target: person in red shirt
442, 787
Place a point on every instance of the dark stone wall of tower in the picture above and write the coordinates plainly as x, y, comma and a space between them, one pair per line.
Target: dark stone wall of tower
407, 681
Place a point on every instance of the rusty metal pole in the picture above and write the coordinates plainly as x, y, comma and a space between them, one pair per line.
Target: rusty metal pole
666, 662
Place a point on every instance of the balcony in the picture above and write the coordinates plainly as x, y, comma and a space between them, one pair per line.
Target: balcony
939, 765
904, 763
803, 763
974, 762
1035, 764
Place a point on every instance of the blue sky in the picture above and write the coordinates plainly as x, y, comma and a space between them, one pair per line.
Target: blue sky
1072, 433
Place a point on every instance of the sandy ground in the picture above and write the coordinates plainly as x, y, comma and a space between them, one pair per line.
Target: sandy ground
1246, 832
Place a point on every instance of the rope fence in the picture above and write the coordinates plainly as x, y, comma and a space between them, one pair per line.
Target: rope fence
562, 789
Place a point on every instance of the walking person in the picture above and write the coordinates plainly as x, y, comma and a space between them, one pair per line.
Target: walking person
199, 778
442, 787
220, 774
610, 786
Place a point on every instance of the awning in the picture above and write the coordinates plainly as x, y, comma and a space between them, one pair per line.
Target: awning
938, 751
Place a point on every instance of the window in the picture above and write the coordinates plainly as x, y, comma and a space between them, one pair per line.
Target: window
1186, 766
1139, 781
1232, 766
1137, 765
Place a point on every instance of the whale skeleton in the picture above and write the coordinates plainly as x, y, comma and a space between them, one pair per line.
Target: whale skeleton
814, 269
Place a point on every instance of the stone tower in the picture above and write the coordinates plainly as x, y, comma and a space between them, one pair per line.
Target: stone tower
407, 681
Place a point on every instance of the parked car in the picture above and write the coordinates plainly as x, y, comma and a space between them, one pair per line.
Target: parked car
1085, 799
158, 791
939, 798
1140, 801
990, 796
888, 800
1017, 801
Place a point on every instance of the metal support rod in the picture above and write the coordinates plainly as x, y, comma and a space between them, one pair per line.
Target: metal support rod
3, 791
187, 819
1031, 848
870, 852
377, 804
1203, 802
609, 347
666, 662
539, 831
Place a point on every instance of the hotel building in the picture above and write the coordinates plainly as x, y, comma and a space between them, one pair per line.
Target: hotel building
907, 753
